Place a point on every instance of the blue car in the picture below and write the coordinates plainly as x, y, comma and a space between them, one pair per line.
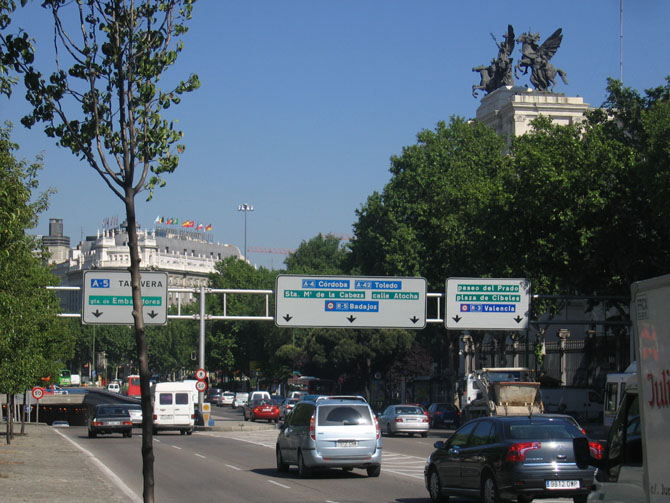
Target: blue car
444, 415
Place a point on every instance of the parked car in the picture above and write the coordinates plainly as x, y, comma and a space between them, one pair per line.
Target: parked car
509, 457
330, 432
239, 400
114, 387
286, 407
444, 415
401, 418
108, 418
260, 408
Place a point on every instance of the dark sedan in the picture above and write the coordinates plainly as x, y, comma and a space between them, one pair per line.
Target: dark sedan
108, 418
444, 415
495, 459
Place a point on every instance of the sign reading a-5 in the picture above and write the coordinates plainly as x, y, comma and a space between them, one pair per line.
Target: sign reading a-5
350, 302
107, 297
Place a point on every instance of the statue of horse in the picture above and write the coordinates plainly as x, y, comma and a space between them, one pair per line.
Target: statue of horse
536, 57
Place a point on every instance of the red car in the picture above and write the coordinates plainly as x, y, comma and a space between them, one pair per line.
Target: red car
261, 408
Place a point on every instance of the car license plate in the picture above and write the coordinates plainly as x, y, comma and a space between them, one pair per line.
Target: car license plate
165, 418
114, 423
562, 484
347, 443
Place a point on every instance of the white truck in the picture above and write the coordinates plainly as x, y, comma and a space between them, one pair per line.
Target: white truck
501, 391
634, 469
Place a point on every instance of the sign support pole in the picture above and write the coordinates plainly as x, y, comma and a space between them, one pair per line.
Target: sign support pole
201, 360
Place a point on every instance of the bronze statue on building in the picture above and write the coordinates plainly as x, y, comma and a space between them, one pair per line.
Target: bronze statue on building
536, 57
499, 72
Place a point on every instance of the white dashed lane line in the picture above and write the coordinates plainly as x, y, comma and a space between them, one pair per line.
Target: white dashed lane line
392, 462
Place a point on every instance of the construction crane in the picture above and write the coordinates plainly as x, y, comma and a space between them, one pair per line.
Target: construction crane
277, 251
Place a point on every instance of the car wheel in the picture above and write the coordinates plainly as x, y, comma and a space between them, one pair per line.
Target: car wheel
431, 424
130, 434
246, 418
388, 430
424, 434
253, 418
374, 471
189, 432
522, 498
281, 466
489, 490
182, 432
434, 488
92, 434
582, 498
303, 470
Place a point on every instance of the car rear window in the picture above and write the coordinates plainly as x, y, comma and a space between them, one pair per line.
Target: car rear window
347, 415
408, 410
112, 411
543, 431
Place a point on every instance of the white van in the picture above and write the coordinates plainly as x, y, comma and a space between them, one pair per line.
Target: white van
173, 407
262, 395
584, 404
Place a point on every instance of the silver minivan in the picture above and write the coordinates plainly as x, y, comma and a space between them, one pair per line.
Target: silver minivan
330, 432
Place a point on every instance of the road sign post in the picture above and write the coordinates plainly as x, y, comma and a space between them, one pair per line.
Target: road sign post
350, 302
487, 304
107, 297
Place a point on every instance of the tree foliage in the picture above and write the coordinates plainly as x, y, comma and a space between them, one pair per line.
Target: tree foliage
439, 215
33, 341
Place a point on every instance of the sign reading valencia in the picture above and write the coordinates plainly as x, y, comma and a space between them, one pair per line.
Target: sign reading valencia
107, 297
350, 302
487, 304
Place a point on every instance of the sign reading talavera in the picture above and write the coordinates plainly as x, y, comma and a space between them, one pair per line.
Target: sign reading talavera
107, 297
487, 303
350, 302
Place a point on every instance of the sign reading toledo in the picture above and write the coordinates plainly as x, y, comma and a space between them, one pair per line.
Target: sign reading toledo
107, 297
350, 302
487, 303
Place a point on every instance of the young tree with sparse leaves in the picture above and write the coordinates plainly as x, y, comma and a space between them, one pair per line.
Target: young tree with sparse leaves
104, 102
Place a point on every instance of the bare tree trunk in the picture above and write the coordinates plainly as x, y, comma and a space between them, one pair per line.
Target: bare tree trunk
142, 352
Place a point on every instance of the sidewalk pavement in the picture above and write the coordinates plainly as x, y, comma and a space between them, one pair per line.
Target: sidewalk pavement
46, 466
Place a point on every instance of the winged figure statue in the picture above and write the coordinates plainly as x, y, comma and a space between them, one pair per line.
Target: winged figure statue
536, 57
499, 72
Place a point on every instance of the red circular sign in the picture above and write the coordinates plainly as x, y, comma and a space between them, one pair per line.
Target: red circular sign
200, 374
38, 392
201, 386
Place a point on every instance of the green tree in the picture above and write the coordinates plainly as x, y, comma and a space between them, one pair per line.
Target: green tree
33, 341
14, 47
117, 59
439, 215
319, 255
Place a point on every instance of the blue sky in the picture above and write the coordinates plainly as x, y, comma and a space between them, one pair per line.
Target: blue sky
302, 103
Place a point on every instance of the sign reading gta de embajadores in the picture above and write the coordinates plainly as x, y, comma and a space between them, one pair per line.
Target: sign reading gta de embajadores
350, 302
487, 303
107, 297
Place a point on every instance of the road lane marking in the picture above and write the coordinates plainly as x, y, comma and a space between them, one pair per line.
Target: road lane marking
200, 455
234, 468
176, 447
278, 484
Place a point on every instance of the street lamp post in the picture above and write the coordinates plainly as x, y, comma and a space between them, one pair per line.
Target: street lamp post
245, 207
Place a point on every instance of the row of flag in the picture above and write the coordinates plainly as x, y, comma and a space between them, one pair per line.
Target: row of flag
186, 223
